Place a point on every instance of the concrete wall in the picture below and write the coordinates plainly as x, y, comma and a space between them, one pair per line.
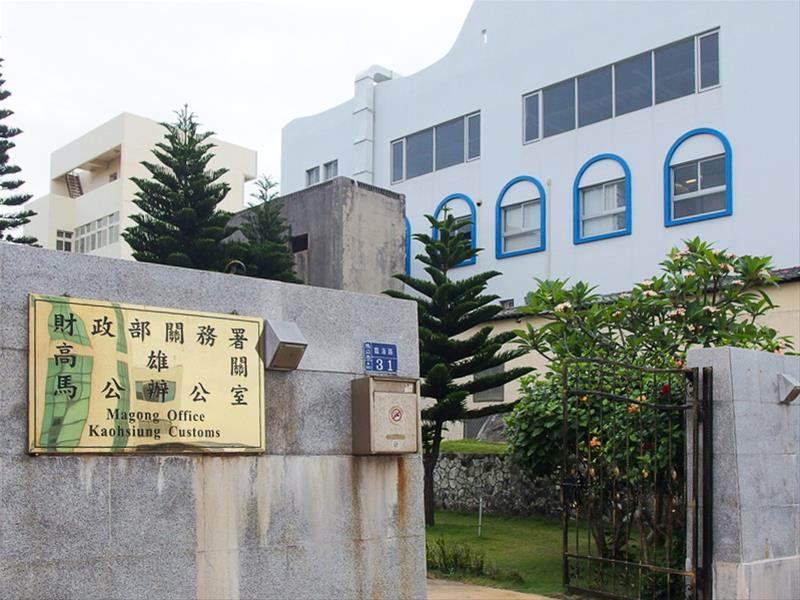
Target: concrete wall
356, 235
305, 520
756, 475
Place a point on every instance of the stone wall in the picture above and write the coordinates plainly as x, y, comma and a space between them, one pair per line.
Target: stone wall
756, 474
461, 479
307, 519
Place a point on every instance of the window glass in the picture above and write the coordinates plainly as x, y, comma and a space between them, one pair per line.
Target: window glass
633, 88
559, 107
531, 117
493, 394
474, 125
675, 70
419, 153
312, 176
449, 143
699, 205
709, 60
712, 172
521, 226
603, 209
397, 160
331, 169
684, 178
594, 96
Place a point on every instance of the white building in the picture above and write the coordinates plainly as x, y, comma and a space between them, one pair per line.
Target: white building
91, 194
584, 138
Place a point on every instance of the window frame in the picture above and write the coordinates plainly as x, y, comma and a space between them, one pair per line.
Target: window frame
309, 171
499, 237
473, 216
326, 168
498, 390
698, 63
465, 118
577, 189
521, 204
669, 221
538, 117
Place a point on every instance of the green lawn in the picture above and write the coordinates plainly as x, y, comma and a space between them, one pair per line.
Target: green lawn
529, 546
472, 447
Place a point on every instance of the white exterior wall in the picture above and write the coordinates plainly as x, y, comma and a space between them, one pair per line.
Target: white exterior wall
119, 145
531, 45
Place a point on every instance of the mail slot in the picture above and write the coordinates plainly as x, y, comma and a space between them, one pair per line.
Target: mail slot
385, 415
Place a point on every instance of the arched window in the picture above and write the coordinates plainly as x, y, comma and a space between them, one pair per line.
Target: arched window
698, 178
462, 208
520, 218
601, 199
408, 245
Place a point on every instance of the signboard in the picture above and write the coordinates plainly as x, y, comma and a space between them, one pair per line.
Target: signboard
107, 378
380, 358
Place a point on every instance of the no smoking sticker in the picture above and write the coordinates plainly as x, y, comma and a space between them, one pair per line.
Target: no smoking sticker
395, 414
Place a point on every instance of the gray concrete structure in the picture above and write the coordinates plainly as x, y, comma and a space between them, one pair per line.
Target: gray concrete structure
354, 234
305, 520
756, 477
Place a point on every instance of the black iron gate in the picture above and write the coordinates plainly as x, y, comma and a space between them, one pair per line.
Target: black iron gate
636, 480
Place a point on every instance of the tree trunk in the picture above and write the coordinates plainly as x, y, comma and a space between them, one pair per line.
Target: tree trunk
429, 459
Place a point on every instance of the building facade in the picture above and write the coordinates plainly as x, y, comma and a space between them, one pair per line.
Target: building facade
583, 139
91, 194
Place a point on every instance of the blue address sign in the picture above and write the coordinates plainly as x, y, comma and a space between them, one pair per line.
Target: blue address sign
380, 358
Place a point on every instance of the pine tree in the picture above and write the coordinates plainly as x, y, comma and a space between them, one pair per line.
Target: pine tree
16, 218
265, 250
180, 224
450, 368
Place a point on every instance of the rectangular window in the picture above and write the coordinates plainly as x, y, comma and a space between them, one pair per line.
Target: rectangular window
603, 208
331, 169
64, 240
473, 136
594, 97
397, 160
698, 187
709, 60
450, 143
675, 70
299, 243
419, 153
559, 107
312, 176
522, 228
95, 234
531, 116
465, 227
633, 84
494, 394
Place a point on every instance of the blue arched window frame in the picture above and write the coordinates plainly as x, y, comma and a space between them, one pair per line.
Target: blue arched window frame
498, 219
408, 245
576, 200
473, 215
668, 220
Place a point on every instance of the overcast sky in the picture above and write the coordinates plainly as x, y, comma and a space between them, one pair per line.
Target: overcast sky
245, 68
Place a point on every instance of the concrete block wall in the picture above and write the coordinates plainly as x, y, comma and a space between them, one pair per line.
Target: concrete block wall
756, 475
305, 520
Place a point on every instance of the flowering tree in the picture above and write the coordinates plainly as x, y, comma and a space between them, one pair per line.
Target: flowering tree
701, 297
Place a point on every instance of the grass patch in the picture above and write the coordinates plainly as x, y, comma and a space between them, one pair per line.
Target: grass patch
522, 553
472, 447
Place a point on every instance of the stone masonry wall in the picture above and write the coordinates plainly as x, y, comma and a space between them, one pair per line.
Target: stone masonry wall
305, 520
461, 479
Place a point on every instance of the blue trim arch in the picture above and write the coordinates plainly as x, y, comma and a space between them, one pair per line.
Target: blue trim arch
498, 219
576, 200
473, 215
728, 210
408, 245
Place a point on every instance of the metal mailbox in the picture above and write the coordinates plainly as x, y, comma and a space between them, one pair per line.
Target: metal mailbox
385, 412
